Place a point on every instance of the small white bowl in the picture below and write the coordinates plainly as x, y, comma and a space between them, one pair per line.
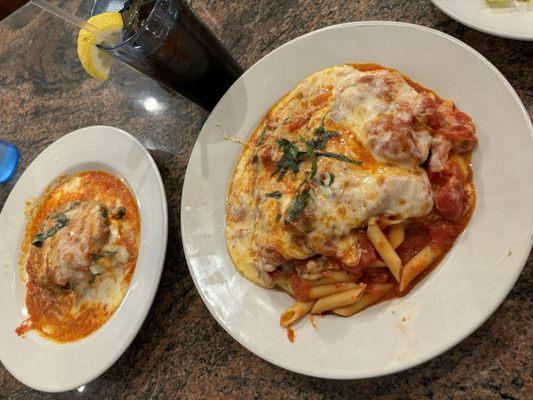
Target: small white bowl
45, 365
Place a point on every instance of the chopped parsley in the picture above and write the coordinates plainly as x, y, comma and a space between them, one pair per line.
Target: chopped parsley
277, 217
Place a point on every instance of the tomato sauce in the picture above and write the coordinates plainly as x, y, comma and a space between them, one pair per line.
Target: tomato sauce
299, 287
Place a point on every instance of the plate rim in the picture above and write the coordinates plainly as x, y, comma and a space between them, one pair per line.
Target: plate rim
481, 28
58, 387
435, 353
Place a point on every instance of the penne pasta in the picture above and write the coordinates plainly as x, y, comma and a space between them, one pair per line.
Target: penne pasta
416, 265
396, 235
338, 300
369, 297
295, 312
285, 286
384, 249
388, 221
461, 163
335, 277
317, 292
377, 264
282, 277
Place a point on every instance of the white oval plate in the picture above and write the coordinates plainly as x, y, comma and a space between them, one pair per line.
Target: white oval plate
452, 301
43, 364
515, 22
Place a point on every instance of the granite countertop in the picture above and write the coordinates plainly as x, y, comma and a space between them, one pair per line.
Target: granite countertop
181, 352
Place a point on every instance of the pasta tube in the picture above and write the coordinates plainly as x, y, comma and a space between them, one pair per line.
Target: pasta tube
396, 235
416, 265
338, 300
377, 264
335, 277
317, 292
295, 312
384, 249
369, 297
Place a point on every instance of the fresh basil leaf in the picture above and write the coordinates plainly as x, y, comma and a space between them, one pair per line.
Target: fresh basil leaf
320, 142
261, 138
331, 178
275, 194
61, 222
312, 158
340, 157
298, 204
288, 161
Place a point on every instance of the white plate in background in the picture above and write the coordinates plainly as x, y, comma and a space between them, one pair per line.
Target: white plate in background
515, 22
43, 364
452, 301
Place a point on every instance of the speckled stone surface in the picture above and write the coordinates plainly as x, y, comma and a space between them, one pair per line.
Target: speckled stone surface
181, 352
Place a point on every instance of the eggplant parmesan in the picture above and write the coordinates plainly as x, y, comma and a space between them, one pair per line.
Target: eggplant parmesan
78, 255
352, 187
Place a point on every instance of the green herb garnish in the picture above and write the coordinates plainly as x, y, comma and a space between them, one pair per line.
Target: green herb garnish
319, 142
277, 217
297, 205
340, 157
312, 158
289, 159
61, 222
322, 136
275, 194
331, 178
321, 130
261, 138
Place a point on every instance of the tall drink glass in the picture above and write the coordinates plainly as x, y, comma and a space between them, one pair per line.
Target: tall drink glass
167, 41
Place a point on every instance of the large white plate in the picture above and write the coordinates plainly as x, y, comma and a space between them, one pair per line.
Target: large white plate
515, 22
452, 301
45, 365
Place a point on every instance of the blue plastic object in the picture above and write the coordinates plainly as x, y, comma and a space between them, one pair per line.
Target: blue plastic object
9, 159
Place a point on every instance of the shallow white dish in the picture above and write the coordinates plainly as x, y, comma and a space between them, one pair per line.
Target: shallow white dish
515, 22
453, 300
43, 364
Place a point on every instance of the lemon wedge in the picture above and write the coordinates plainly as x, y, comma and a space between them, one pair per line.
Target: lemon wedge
97, 62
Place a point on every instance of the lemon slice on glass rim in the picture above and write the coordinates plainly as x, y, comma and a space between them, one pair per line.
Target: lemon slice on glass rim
98, 62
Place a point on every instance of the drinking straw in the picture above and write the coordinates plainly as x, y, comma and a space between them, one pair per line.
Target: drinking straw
73, 19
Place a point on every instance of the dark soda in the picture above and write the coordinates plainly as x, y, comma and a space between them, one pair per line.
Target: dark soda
177, 49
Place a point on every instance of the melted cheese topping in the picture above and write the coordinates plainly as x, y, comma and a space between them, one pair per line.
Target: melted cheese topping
70, 291
372, 114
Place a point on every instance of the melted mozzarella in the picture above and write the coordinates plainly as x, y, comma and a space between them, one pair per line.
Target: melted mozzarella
356, 196
378, 108
372, 113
